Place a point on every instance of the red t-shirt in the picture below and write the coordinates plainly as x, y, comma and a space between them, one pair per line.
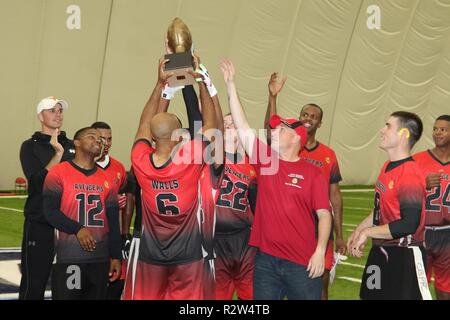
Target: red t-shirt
437, 206
403, 186
285, 220
171, 212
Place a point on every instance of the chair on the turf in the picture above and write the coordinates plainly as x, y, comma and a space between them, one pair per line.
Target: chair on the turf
20, 185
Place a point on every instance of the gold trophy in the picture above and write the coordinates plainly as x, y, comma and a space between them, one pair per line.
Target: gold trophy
179, 46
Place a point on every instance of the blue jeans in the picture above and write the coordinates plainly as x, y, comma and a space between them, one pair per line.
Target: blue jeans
274, 277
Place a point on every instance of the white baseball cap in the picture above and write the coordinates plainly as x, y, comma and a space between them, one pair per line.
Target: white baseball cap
49, 103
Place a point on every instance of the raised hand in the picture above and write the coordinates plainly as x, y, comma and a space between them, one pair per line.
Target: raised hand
55, 144
275, 85
227, 68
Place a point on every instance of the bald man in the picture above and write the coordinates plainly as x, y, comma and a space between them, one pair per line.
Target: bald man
176, 240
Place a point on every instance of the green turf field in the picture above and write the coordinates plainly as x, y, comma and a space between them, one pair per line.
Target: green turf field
357, 205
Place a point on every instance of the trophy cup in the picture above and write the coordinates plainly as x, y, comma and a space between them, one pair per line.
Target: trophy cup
179, 46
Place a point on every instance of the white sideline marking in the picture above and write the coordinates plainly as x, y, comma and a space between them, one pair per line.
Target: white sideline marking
13, 197
357, 190
352, 264
10, 250
350, 279
350, 230
15, 296
11, 209
10, 271
349, 225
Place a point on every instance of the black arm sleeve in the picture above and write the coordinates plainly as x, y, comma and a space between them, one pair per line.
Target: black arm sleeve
192, 108
408, 223
52, 203
252, 192
32, 168
115, 240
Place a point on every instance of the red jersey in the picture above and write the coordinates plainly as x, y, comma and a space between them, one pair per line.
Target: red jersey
172, 219
116, 173
285, 219
84, 196
402, 186
325, 159
233, 211
437, 206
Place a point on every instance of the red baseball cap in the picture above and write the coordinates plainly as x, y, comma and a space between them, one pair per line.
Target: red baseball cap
294, 124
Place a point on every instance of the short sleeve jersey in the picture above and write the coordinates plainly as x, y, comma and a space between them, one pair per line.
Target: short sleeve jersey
84, 198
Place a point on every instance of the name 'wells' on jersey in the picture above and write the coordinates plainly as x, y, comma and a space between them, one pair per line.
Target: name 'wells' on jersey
175, 228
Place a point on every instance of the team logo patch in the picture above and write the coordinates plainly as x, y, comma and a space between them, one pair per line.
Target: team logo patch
327, 159
106, 184
294, 180
119, 175
252, 173
391, 184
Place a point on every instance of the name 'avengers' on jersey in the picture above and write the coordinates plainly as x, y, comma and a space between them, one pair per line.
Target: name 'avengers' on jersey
82, 196
232, 204
399, 188
172, 218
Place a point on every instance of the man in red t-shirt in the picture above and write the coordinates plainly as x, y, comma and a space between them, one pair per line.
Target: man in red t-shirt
435, 165
395, 268
292, 196
82, 205
176, 240
325, 159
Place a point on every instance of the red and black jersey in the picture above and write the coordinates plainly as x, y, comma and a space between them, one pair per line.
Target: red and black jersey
233, 212
82, 196
325, 159
115, 172
437, 206
172, 219
399, 187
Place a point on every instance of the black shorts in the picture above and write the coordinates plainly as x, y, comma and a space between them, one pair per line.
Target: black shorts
438, 257
82, 281
234, 266
390, 274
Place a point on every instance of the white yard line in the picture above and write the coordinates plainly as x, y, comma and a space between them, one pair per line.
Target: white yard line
359, 198
351, 264
350, 279
357, 190
357, 208
11, 209
349, 225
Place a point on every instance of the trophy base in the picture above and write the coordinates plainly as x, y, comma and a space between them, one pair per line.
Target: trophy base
178, 64
181, 78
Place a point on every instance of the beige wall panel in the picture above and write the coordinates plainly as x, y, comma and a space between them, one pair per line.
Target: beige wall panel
361, 105
20, 23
